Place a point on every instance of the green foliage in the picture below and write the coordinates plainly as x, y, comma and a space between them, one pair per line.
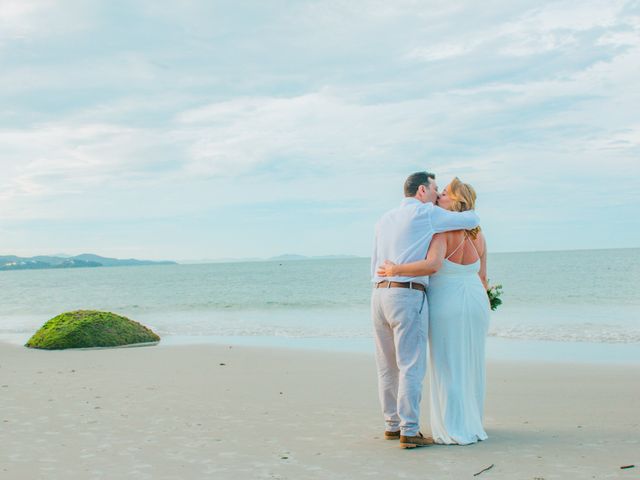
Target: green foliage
90, 328
494, 293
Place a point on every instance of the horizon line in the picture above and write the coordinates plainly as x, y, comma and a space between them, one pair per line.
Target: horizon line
312, 257
203, 261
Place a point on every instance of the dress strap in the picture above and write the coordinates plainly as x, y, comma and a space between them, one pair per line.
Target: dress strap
474, 247
456, 249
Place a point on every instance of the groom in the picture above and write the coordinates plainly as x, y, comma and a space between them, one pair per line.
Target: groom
398, 304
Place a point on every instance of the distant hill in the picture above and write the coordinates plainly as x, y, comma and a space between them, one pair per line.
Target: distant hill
114, 262
287, 257
11, 262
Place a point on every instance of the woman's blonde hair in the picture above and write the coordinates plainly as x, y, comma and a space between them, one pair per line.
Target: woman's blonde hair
463, 198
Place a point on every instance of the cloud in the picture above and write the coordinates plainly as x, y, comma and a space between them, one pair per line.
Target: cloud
441, 51
18, 18
195, 111
546, 28
60, 158
25, 21
321, 129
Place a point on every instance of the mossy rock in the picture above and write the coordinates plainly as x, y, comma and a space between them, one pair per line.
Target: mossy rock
90, 329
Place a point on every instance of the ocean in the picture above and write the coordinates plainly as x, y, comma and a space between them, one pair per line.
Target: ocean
572, 305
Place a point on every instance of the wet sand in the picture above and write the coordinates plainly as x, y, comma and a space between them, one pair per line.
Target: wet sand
207, 411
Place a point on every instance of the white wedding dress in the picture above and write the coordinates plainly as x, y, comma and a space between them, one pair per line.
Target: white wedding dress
458, 324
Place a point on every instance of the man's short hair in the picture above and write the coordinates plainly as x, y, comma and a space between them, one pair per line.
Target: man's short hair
415, 180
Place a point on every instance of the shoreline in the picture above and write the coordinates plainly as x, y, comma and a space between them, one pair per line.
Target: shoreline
507, 350
246, 412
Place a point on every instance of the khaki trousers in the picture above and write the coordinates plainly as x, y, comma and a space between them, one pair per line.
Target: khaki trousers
400, 323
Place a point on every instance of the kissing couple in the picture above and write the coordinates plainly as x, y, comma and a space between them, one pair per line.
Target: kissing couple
430, 278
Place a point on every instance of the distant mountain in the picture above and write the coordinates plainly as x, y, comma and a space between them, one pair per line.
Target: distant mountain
11, 262
114, 262
288, 257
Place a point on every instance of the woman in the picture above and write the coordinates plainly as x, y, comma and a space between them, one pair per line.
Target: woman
458, 322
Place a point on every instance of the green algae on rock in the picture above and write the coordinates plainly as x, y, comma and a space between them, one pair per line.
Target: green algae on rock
89, 329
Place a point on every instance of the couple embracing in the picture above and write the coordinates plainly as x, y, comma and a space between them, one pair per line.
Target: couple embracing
429, 273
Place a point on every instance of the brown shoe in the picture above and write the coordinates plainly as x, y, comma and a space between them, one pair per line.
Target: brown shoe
392, 435
417, 441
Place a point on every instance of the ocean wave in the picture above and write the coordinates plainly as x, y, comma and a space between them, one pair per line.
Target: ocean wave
610, 336
588, 333
265, 331
344, 327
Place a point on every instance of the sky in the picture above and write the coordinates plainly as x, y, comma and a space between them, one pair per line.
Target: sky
227, 129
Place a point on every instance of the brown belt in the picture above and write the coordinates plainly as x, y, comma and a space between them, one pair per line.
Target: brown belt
413, 285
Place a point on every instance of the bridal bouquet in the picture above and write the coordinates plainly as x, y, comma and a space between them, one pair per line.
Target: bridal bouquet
494, 292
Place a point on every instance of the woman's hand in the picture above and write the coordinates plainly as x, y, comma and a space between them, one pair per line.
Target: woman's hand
386, 269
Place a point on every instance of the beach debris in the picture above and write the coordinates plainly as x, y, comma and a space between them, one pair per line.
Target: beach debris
91, 329
624, 467
484, 470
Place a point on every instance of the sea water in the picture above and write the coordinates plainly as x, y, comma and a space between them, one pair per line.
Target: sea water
573, 305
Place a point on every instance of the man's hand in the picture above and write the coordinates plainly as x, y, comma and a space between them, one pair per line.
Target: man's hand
386, 269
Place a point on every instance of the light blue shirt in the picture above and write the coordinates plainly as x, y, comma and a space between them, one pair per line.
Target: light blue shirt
403, 234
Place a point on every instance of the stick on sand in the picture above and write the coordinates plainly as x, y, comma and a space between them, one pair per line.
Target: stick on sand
483, 470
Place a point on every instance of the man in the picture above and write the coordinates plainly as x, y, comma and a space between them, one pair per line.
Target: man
399, 307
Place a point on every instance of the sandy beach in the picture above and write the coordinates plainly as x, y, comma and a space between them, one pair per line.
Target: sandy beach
211, 411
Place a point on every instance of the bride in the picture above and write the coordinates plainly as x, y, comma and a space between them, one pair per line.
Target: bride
458, 322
